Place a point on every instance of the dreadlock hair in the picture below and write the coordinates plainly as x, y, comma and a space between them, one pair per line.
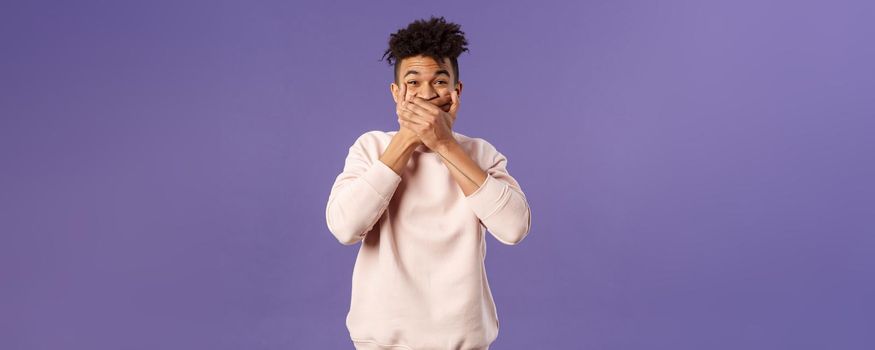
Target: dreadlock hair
435, 38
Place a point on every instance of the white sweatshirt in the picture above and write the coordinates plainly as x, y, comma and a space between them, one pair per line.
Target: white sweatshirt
419, 280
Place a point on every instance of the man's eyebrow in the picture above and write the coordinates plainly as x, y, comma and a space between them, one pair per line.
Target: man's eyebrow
439, 72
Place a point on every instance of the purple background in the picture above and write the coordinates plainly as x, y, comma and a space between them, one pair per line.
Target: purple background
699, 173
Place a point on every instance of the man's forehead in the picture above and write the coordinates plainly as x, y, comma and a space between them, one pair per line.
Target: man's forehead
425, 63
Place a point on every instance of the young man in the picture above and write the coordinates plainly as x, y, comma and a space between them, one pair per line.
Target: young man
420, 199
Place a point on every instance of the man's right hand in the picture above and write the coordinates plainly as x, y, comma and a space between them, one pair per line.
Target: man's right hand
404, 142
408, 135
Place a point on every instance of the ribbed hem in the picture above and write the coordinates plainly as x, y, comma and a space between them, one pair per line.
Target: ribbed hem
368, 344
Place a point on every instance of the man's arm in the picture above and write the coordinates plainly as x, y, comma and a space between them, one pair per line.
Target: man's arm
399, 150
362, 192
494, 195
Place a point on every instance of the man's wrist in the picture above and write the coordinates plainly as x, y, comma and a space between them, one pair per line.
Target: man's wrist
446, 146
406, 141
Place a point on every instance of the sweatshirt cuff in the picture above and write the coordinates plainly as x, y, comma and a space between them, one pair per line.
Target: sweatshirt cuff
488, 198
382, 179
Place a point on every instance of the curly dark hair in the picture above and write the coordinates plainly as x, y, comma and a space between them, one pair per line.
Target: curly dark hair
435, 38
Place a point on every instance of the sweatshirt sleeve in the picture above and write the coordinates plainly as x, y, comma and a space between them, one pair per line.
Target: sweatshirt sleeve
361, 192
500, 203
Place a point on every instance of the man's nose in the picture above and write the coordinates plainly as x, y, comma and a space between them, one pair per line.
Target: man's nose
427, 92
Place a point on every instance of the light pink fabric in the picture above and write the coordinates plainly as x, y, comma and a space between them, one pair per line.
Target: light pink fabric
419, 280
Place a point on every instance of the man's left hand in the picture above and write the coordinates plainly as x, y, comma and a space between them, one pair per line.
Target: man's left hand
432, 124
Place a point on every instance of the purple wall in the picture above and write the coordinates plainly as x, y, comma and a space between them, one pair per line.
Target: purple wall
700, 174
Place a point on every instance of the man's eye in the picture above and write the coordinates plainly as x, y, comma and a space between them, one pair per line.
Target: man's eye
412, 82
442, 82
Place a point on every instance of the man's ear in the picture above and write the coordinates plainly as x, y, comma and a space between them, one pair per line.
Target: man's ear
459, 88
394, 89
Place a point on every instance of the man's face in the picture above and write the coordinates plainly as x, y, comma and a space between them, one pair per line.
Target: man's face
429, 79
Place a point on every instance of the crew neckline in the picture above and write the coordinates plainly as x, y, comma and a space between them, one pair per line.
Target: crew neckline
421, 147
